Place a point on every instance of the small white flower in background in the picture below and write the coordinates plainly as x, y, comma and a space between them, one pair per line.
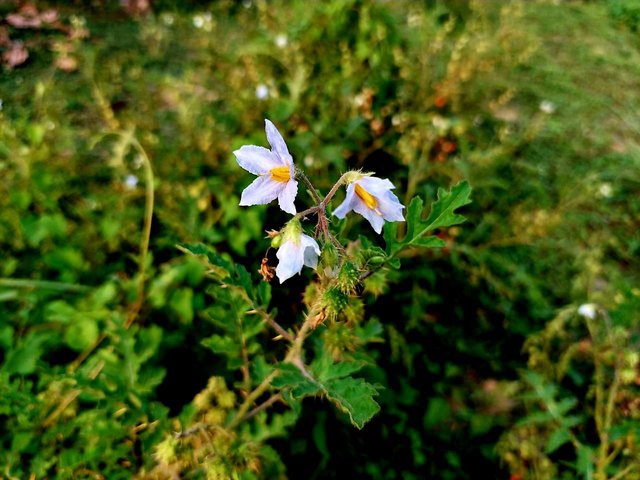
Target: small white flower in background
296, 250
274, 169
547, 107
1, 104
167, 19
372, 198
130, 182
281, 41
198, 21
588, 310
605, 190
262, 92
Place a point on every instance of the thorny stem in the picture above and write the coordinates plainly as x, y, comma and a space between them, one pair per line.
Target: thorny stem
307, 212
312, 189
252, 397
276, 397
275, 325
294, 356
333, 191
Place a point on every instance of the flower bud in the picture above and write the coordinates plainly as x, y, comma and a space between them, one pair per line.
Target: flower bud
377, 260
276, 241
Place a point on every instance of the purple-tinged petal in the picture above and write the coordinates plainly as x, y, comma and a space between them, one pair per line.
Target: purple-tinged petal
256, 160
277, 143
390, 207
375, 186
347, 205
291, 259
311, 251
263, 190
374, 217
287, 196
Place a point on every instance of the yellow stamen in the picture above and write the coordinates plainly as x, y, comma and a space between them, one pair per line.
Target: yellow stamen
281, 174
368, 199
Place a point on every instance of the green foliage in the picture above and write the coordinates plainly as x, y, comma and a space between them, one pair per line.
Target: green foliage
442, 215
354, 396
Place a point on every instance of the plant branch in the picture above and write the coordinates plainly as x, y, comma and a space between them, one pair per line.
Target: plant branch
275, 325
42, 284
251, 398
276, 397
314, 193
333, 190
306, 212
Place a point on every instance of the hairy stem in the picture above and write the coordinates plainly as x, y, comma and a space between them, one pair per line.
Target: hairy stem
307, 212
314, 193
276, 397
333, 190
251, 398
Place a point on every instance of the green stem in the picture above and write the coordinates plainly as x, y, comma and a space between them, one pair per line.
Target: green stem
146, 229
42, 284
294, 356
251, 398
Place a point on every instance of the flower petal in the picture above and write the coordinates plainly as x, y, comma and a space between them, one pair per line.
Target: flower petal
277, 143
287, 196
291, 259
256, 160
390, 207
263, 190
347, 205
311, 251
375, 186
375, 219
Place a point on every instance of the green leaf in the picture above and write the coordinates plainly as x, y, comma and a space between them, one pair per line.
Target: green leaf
23, 359
584, 464
442, 214
290, 377
354, 396
557, 439
222, 345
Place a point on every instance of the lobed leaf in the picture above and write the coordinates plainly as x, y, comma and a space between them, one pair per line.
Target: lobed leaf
442, 214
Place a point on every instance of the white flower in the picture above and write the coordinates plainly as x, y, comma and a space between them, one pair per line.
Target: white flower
198, 21
605, 190
281, 41
262, 92
296, 250
274, 169
130, 182
372, 198
547, 107
588, 310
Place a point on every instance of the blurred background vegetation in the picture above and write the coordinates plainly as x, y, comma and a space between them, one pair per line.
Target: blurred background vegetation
510, 353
